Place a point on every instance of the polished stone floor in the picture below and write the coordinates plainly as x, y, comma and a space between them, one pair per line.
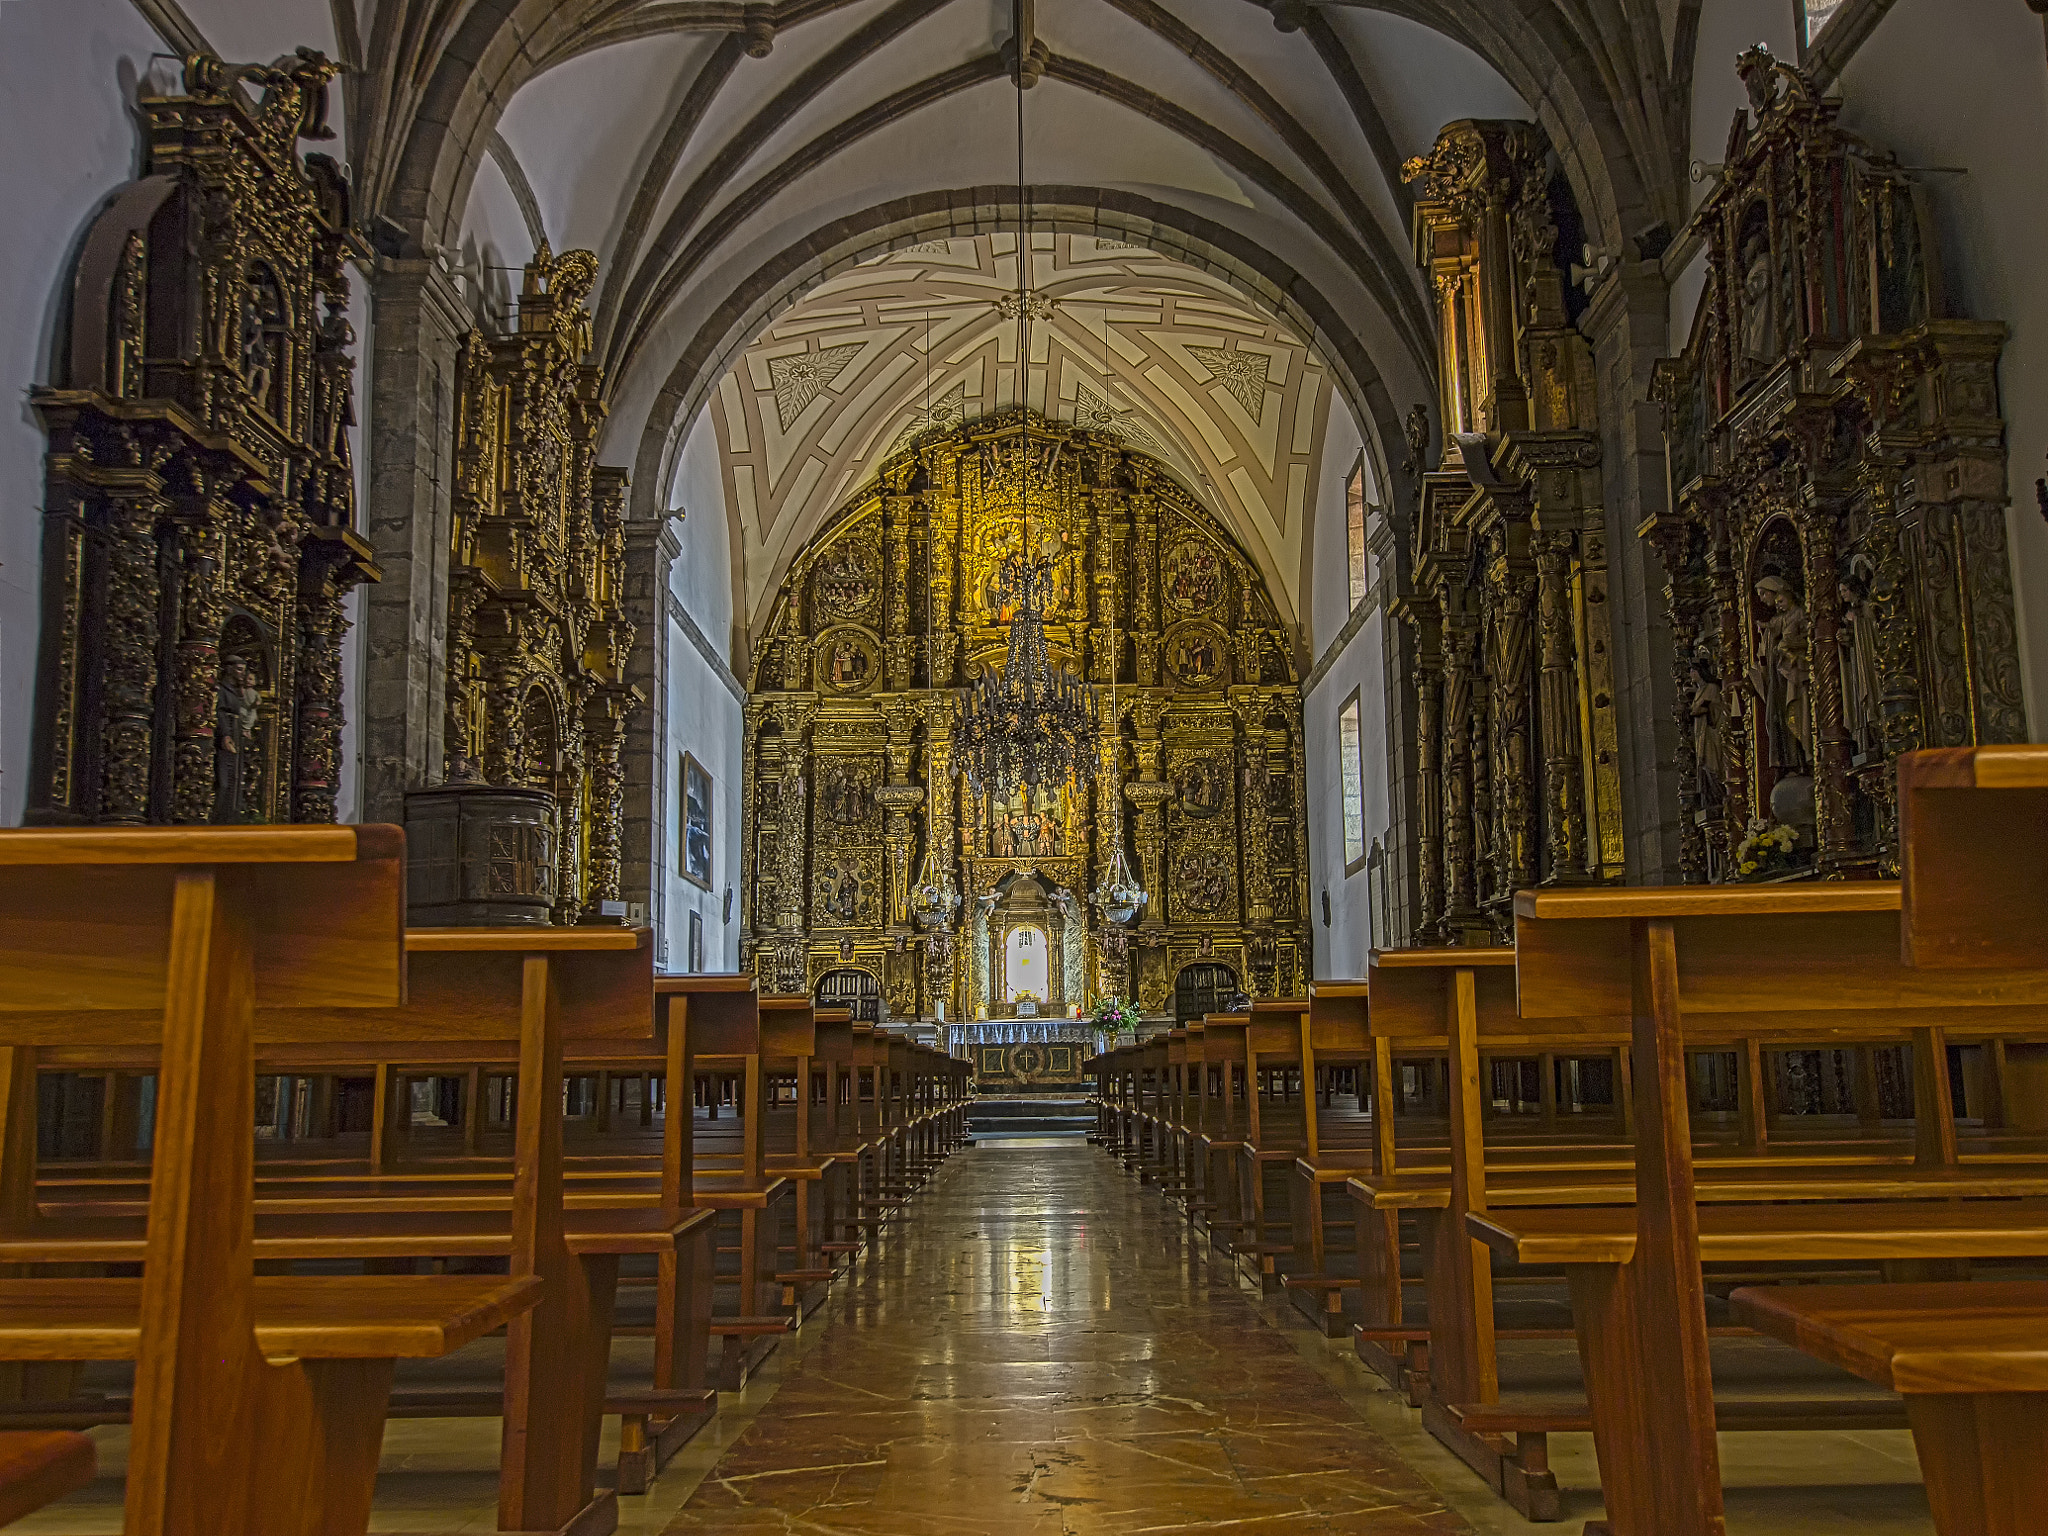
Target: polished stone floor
1042, 1350
1043, 1346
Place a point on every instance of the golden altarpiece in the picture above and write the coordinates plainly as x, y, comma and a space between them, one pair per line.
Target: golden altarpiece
1518, 784
199, 502
1836, 549
881, 623
530, 818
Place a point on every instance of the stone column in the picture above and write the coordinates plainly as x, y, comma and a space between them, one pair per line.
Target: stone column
420, 323
652, 545
1628, 324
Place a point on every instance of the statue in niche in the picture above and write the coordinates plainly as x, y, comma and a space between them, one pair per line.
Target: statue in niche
1857, 639
1709, 711
1779, 678
262, 325
237, 703
1758, 336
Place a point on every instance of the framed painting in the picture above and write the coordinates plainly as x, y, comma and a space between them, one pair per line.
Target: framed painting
696, 829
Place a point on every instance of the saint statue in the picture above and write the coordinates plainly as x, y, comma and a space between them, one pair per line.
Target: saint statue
1709, 710
1779, 678
1862, 690
1758, 338
236, 705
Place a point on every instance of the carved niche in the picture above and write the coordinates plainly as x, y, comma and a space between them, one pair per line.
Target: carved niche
1836, 549
199, 502
537, 634
848, 781
1518, 783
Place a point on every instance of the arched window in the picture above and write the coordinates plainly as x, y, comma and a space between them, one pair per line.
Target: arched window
1026, 964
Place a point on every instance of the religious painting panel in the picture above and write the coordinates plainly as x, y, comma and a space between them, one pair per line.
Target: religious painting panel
1198, 656
846, 580
849, 662
696, 823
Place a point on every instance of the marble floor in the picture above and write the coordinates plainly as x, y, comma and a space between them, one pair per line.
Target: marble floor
1043, 1351
1044, 1347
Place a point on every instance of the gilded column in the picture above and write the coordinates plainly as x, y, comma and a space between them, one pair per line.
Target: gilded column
942, 530
1513, 589
128, 695
899, 509
1144, 577
1459, 889
1148, 795
1834, 830
1563, 794
326, 572
201, 611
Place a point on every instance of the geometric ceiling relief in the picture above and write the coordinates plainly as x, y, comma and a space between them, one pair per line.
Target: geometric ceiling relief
1163, 356
798, 379
1242, 373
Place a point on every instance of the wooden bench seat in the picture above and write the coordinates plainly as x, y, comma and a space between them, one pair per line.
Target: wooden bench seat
380, 1234
309, 1317
38, 1467
1788, 1179
1970, 1360
1879, 1230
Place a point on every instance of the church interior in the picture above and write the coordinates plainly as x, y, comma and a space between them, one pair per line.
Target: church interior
1023, 767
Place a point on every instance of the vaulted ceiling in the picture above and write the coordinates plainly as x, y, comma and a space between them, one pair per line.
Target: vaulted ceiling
725, 159
1173, 361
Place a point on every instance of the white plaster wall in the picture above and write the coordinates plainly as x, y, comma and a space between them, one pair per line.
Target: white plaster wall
67, 140
1341, 946
1975, 95
702, 717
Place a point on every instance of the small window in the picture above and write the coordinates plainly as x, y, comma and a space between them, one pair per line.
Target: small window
1351, 766
1817, 14
1354, 531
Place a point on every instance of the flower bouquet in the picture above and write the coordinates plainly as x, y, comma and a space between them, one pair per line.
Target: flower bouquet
1116, 1018
1766, 852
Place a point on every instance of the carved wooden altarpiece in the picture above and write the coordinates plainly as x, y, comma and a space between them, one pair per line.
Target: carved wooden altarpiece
537, 633
1518, 783
1836, 551
882, 621
199, 503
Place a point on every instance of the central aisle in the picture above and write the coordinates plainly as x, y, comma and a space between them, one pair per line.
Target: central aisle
1041, 1348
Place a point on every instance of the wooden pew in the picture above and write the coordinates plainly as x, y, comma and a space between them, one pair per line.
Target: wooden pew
1969, 1361
140, 936
38, 1467
538, 988
1682, 961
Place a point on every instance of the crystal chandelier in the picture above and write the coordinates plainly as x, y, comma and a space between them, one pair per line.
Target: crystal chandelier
1119, 898
1033, 724
933, 900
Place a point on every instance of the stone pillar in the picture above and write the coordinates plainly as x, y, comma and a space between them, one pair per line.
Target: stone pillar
1628, 324
652, 545
419, 328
